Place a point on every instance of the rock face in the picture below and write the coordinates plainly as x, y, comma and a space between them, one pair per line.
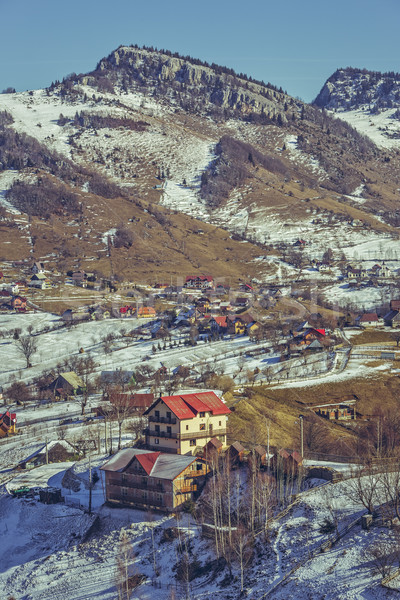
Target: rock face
186, 82
349, 89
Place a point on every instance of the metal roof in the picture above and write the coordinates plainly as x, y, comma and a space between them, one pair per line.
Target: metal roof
187, 406
156, 464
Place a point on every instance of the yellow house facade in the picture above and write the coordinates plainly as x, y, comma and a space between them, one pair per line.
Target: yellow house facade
184, 424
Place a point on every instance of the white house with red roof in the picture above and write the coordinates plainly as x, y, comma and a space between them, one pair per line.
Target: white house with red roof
152, 480
369, 320
183, 424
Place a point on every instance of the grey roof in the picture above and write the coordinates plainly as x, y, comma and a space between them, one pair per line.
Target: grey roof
117, 376
121, 460
167, 466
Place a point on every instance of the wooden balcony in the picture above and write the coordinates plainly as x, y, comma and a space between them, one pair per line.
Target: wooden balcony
137, 485
134, 500
185, 489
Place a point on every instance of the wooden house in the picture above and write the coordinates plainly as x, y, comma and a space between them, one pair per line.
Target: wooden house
52, 452
236, 453
392, 318
212, 449
286, 462
67, 384
152, 480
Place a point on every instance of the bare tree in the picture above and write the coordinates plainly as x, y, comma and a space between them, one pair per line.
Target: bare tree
27, 346
85, 367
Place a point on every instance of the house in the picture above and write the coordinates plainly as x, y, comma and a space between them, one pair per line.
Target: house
37, 267
39, 281
395, 305
286, 462
67, 384
340, 411
79, 277
219, 324
257, 458
392, 319
381, 271
199, 282
126, 311
136, 403
236, 453
52, 452
118, 378
18, 303
212, 449
152, 480
146, 312
183, 424
368, 320
8, 423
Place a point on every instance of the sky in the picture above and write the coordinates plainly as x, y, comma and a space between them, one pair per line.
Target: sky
295, 45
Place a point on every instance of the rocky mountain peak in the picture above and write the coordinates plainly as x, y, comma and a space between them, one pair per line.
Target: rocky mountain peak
350, 89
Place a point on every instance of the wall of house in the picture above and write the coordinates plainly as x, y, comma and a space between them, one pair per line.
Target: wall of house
186, 435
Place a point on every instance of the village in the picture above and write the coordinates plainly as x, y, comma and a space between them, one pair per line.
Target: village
130, 400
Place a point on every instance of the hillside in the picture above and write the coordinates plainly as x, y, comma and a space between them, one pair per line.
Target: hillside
148, 136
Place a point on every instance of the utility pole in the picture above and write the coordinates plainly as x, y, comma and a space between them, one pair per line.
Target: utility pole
47, 453
90, 486
301, 435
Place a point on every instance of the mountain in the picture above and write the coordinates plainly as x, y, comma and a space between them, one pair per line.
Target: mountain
348, 89
368, 100
183, 161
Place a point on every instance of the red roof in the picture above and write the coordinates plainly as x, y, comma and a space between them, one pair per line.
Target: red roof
367, 317
221, 321
148, 460
188, 405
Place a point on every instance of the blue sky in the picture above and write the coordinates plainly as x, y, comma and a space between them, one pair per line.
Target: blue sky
296, 44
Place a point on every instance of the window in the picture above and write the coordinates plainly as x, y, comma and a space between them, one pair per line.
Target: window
220, 423
169, 430
199, 467
192, 442
168, 415
187, 427
157, 414
202, 426
202, 415
156, 441
124, 491
124, 478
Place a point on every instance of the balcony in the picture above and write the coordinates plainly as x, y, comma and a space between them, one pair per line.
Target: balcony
185, 489
134, 500
161, 434
201, 434
185, 436
138, 485
168, 421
